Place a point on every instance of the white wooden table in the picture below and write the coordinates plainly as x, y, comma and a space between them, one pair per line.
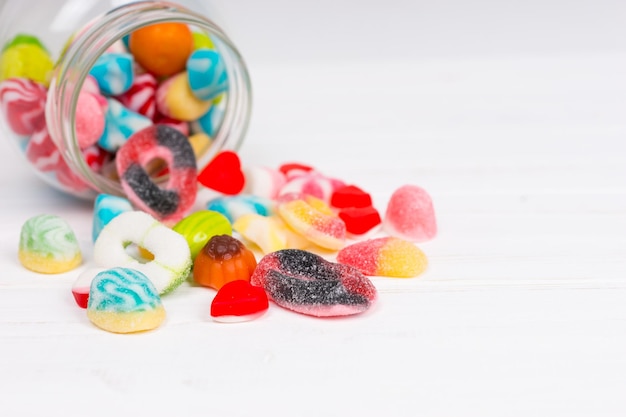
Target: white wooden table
522, 311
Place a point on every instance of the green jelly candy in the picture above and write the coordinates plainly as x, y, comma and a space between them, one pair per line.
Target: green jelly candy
24, 39
202, 40
199, 227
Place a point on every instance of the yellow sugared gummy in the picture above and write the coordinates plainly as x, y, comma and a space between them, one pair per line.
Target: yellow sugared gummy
401, 259
46, 263
136, 321
26, 60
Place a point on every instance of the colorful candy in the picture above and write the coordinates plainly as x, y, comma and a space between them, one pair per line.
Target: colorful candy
23, 103
120, 124
360, 220
123, 300
162, 48
233, 207
263, 181
312, 183
200, 226
141, 96
306, 283
175, 99
206, 73
113, 72
269, 233
313, 219
410, 214
25, 57
42, 153
210, 122
106, 207
385, 256
171, 261
223, 174
82, 285
173, 202
221, 260
48, 245
89, 120
350, 196
239, 301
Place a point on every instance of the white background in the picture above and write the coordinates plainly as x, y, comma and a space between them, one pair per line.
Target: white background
512, 116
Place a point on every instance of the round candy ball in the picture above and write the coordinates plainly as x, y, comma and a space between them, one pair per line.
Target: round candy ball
163, 48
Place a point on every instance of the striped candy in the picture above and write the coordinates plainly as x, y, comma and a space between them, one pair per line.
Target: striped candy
23, 102
207, 74
199, 227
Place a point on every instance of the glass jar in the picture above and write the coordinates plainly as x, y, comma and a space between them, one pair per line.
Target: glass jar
75, 33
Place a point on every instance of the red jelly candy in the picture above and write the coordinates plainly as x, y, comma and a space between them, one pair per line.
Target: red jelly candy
289, 168
307, 283
239, 301
360, 220
350, 196
223, 174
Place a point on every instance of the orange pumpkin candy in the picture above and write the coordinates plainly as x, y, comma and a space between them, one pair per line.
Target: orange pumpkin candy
223, 259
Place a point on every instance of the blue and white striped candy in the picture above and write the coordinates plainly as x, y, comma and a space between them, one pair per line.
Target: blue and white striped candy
233, 207
207, 74
120, 124
106, 207
122, 290
114, 73
210, 122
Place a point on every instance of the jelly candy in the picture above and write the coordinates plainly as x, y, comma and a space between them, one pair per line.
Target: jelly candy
360, 220
223, 174
306, 283
82, 285
198, 227
239, 301
385, 256
350, 196
123, 300
410, 214
221, 260
312, 219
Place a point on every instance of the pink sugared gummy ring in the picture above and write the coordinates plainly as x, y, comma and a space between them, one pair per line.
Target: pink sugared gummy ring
172, 202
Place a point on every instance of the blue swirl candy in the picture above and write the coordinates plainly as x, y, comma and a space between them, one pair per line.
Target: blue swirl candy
122, 290
236, 206
106, 207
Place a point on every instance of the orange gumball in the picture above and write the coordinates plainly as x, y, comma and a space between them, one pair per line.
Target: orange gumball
163, 48
223, 259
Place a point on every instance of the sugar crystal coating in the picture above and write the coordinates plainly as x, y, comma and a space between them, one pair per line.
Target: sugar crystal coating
385, 256
410, 214
306, 283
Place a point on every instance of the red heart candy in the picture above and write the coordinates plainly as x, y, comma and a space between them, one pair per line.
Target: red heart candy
360, 220
238, 300
223, 174
350, 196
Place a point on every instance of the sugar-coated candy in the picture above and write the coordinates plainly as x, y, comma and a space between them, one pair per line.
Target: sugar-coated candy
25, 57
48, 245
410, 214
23, 102
221, 260
123, 300
269, 233
171, 261
175, 99
207, 75
120, 124
385, 256
307, 283
200, 226
239, 301
311, 218
162, 48
141, 96
113, 72
223, 174
89, 120
180, 125
263, 181
175, 200
360, 220
210, 122
82, 285
312, 183
350, 196
294, 169
236, 206
106, 207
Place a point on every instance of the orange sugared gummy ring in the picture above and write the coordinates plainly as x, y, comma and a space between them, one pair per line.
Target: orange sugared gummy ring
163, 48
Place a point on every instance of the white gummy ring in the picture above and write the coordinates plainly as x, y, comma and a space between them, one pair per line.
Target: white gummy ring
172, 257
